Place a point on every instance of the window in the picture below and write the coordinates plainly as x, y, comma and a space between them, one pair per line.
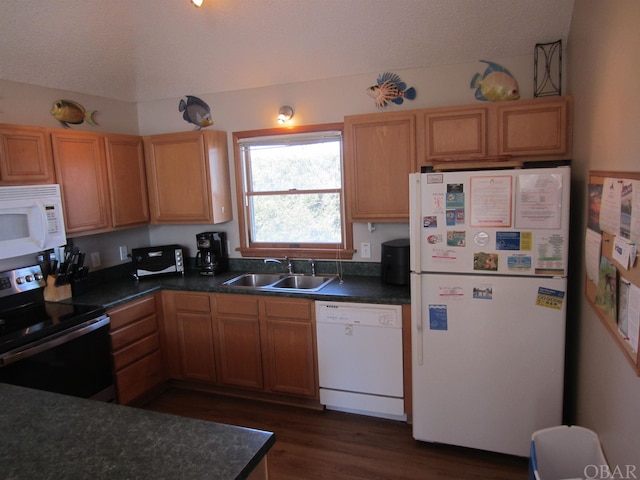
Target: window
290, 192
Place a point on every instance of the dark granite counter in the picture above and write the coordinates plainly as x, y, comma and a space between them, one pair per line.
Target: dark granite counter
51, 436
353, 288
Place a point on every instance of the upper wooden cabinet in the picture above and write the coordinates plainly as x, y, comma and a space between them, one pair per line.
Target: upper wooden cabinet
188, 177
127, 180
455, 132
102, 180
25, 155
380, 152
540, 128
524, 130
81, 172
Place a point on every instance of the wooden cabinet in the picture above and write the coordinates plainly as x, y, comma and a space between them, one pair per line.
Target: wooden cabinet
136, 349
25, 155
81, 172
188, 336
102, 180
540, 128
127, 180
524, 130
268, 344
238, 329
289, 348
188, 177
380, 152
456, 132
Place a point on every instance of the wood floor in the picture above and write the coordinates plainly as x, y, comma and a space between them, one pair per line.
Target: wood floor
328, 445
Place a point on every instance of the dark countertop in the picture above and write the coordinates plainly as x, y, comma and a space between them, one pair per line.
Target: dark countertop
362, 289
52, 436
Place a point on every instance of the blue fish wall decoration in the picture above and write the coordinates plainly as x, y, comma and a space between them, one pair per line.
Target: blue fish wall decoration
196, 111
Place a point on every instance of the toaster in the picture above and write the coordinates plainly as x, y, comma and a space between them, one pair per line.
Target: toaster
162, 260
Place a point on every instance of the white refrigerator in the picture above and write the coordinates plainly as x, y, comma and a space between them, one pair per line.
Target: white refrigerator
488, 302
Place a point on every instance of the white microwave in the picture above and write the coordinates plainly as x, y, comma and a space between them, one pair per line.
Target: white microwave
31, 219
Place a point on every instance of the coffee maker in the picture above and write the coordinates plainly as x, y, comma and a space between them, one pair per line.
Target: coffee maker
212, 256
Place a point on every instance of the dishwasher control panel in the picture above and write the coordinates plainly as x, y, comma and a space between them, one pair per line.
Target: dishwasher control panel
369, 314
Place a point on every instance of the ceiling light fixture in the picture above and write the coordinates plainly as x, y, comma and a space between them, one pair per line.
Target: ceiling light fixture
285, 114
197, 3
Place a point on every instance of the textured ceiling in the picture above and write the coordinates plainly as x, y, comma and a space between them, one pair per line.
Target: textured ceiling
142, 50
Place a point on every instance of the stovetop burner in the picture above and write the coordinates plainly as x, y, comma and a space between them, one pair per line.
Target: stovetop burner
24, 315
35, 321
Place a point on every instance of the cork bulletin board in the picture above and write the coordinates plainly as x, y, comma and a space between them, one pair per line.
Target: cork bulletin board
612, 284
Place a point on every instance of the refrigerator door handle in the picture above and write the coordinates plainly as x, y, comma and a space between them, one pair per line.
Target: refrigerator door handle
416, 317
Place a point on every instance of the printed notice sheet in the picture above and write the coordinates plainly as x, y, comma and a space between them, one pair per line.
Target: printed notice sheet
592, 249
629, 315
539, 201
491, 201
610, 205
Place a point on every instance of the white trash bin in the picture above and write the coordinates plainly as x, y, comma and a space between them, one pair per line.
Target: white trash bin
566, 453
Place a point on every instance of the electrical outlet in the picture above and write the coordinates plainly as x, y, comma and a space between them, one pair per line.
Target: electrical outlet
123, 252
95, 259
365, 250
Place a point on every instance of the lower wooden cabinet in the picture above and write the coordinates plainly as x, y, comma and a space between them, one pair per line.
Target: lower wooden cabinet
250, 342
188, 338
288, 347
135, 344
267, 344
238, 328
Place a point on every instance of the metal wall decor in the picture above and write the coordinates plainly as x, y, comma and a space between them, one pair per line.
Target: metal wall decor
547, 69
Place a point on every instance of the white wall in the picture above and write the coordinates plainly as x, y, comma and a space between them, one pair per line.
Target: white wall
322, 101
604, 68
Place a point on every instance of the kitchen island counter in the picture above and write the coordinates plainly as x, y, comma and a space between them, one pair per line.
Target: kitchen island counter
51, 436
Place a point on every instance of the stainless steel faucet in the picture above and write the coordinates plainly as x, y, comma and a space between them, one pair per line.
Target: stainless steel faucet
313, 267
286, 262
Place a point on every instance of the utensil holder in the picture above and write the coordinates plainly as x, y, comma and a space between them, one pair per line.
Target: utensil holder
53, 293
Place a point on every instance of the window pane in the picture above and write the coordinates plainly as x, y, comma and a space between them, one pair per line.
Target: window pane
299, 218
302, 167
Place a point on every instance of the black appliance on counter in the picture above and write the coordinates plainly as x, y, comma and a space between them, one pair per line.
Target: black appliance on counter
59, 347
212, 257
394, 265
164, 259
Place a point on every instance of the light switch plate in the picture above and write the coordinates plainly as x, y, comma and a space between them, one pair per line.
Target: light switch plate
365, 250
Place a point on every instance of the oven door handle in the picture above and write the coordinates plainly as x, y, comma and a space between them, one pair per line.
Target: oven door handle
47, 343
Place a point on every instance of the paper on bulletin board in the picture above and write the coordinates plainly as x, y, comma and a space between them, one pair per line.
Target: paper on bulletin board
623, 252
539, 201
629, 314
610, 205
592, 249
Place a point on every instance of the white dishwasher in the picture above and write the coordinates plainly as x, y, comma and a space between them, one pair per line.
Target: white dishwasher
360, 358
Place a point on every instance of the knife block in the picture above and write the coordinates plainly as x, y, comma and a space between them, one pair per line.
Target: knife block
53, 293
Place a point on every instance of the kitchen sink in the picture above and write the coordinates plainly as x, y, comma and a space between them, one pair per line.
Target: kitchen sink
302, 282
280, 282
254, 280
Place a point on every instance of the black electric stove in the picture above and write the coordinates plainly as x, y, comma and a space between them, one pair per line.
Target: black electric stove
62, 347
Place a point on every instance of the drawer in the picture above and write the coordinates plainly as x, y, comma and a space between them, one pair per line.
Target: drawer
135, 351
237, 304
192, 303
132, 311
299, 309
133, 332
139, 377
